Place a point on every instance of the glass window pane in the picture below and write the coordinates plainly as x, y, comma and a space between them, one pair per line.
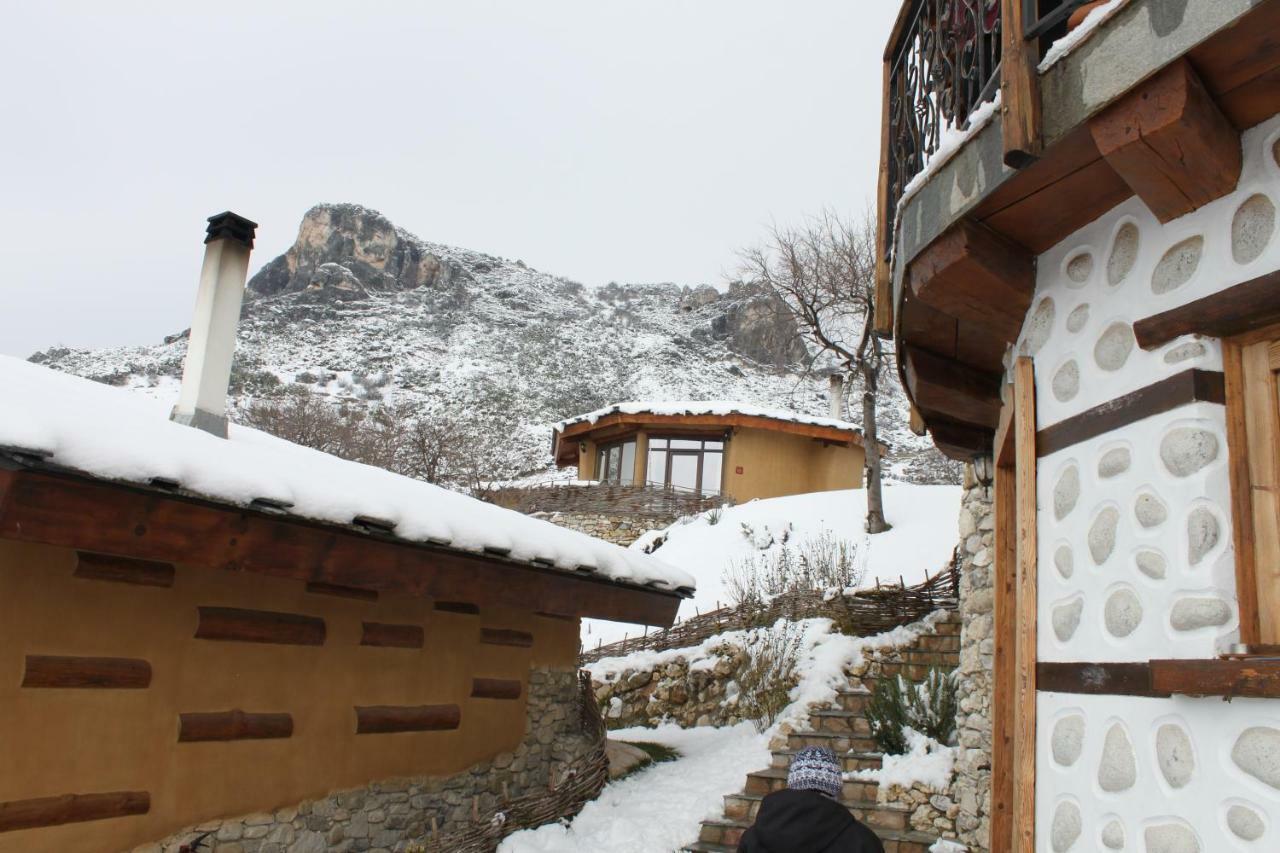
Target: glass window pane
686, 443
684, 471
656, 472
711, 473
658, 443
615, 463
714, 445
628, 463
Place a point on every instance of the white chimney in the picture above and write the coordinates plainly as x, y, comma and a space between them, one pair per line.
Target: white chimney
837, 396
202, 403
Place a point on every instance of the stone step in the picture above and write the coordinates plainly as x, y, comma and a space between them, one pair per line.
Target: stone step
909, 671
853, 700
772, 779
850, 761
938, 643
894, 842
837, 743
840, 722
877, 817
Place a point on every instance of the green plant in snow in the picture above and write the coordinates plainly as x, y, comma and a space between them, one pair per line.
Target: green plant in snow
887, 714
928, 707
933, 706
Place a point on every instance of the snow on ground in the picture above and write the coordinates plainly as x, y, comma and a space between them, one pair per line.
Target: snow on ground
658, 809
921, 541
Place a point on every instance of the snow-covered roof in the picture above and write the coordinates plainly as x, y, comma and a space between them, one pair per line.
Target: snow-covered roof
118, 435
706, 407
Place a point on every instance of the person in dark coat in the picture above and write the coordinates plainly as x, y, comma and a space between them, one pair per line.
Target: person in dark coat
808, 817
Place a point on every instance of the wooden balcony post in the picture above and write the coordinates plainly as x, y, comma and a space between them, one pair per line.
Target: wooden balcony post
884, 271
1019, 88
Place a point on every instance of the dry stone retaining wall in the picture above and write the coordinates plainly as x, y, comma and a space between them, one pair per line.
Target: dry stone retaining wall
382, 815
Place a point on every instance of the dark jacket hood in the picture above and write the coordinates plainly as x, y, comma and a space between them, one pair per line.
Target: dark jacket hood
800, 821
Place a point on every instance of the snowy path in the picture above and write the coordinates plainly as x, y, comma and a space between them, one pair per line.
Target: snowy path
659, 809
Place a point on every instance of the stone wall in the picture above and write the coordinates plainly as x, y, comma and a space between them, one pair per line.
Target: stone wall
971, 788
618, 528
696, 694
383, 814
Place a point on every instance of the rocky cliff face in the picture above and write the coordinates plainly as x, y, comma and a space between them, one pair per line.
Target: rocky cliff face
367, 314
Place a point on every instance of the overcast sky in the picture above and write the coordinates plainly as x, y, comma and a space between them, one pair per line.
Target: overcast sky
603, 140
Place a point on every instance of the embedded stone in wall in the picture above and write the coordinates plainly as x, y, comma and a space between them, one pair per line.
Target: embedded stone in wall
1066, 618
1118, 769
1114, 346
1066, 493
1251, 228
1185, 352
1102, 534
1113, 835
1257, 752
1190, 614
1068, 739
1186, 450
1064, 560
1245, 823
1150, 510
1040, 325
1066, 381
1124, 253
1171, 838
1151, 563
1178, 265
1066, 826
1080, 267
1202, 534
1174, 753
1078, 317
1122, 613
1114, 462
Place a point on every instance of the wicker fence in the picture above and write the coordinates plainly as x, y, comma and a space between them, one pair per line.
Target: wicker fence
865, 613
603, 498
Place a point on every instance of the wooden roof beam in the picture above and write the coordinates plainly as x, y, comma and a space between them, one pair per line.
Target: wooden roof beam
978, 276
1170, 143
953, 390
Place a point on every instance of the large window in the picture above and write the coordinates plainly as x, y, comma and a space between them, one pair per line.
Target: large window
616, 463
686, 464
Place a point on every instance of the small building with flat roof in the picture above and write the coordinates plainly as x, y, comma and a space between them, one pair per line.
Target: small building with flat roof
712, 448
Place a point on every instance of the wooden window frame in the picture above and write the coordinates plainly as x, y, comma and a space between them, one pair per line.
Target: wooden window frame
1013, 700
1251, 362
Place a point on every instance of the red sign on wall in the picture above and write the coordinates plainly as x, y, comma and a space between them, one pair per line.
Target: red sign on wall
738, 470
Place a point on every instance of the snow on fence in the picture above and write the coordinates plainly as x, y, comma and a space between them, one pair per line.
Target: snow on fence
865, 613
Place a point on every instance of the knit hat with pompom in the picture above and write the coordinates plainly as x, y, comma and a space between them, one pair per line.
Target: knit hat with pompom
816, 768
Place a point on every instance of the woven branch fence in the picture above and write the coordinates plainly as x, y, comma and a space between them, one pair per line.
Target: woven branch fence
564, 797
865, 613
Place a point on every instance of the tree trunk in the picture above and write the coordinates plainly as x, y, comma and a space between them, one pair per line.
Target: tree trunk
875, 500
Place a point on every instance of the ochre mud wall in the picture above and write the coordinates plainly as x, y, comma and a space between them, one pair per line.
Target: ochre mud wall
118, 727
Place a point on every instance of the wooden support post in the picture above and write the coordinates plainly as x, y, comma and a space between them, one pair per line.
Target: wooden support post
886, 210
1004, 632
1170, 143
1024, 767
1019, 89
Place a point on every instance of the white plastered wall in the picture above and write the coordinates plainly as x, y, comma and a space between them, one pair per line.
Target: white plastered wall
1158, 775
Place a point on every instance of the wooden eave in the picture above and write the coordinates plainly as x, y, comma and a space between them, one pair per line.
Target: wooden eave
73, 510
619, 424
1070, 185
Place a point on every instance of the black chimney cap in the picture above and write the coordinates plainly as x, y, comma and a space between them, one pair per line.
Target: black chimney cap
231, 226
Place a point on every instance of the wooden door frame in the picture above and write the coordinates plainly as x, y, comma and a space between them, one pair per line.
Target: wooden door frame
1013, 687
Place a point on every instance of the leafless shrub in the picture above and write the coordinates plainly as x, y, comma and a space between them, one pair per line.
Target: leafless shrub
765, 684
819, 562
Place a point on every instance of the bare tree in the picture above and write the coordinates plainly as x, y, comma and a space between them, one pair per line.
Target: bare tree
824, 272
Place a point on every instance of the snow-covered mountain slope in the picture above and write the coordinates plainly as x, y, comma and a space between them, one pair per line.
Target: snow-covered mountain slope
365, 313
711, 544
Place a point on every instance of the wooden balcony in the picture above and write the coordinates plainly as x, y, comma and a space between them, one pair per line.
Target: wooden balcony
989, 158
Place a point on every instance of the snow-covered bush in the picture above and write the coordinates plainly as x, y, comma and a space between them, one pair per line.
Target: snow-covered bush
898, 705
822, 562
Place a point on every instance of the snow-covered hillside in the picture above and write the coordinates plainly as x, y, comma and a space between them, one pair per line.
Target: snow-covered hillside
920, 543
365, 313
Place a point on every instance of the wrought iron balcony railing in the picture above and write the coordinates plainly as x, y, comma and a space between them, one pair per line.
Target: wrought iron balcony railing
943, 66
